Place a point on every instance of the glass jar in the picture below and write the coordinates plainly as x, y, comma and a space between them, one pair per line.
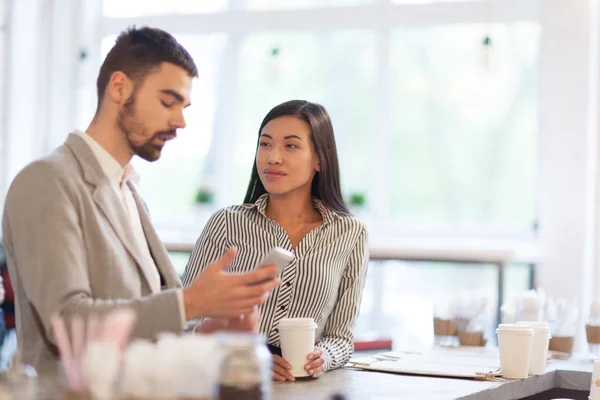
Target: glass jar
21, 382
245, 372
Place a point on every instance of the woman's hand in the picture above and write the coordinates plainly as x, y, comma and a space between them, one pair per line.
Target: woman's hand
316, 364
281, 369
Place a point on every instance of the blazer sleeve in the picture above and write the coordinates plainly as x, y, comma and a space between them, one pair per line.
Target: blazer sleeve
337, 341
42, 221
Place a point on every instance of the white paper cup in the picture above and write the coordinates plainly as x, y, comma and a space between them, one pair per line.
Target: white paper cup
539, 346
514, 343
297, 337
595, 385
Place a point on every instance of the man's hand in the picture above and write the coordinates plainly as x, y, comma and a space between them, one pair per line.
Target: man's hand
244, 323
215, 293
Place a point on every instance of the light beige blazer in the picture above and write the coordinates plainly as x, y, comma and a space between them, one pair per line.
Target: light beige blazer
70, 251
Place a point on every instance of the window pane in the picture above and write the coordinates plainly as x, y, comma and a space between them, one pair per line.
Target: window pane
179, 260
401, 297
464, 127
290, 4
138, 8
335, 69
169, 185
516, 280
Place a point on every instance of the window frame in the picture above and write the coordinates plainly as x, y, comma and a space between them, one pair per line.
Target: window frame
381, 17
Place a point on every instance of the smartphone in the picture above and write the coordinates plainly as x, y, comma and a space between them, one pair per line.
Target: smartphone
278, 257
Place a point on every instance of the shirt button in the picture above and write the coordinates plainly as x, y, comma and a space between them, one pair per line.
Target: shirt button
282, 308
288, 284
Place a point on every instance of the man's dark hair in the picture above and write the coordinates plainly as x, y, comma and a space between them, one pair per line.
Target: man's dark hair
138, 51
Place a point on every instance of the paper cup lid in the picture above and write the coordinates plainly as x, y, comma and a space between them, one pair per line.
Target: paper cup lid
536, 325
515, 328
297, 323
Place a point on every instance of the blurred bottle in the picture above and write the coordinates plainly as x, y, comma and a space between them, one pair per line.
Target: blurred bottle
245, 372
338, 396
21, 382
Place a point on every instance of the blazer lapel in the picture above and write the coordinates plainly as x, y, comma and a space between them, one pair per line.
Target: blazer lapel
157, 249
107, 201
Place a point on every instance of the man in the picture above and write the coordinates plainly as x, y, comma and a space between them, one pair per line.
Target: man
77, 235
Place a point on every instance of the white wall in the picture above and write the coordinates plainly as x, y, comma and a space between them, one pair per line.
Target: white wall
22, 99
4, 11
594, 129
568, 165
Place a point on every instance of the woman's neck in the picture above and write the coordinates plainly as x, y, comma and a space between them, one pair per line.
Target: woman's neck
292, 209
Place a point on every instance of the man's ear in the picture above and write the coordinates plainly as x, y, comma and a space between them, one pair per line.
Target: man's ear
120, 87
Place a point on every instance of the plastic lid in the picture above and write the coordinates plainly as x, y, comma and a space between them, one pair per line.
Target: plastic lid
536, 325
286, 323
515, 328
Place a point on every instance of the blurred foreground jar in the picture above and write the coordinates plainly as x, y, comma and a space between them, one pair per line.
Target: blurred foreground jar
245, 372
21, 382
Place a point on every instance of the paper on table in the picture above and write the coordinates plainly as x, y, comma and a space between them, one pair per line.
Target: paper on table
461, 362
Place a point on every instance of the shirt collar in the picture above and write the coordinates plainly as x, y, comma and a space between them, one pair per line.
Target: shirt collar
110, 166
328, 215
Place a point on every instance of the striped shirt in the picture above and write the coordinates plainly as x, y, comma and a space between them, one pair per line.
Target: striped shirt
324, 281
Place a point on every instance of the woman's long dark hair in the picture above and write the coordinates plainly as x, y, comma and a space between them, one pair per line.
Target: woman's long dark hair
326, 182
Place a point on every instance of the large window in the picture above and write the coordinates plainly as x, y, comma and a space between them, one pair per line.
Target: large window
435, 113
138, 8
120, 9
436, 122
464, 127
334, 68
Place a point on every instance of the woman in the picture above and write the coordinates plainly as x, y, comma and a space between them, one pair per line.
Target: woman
294, 201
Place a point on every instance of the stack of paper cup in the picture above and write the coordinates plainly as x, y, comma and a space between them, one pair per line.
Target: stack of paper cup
539, 346
514, 343
297, 337
595, 386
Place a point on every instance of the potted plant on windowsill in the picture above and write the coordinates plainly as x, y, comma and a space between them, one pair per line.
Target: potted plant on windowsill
203, 202
357, 203
204, 196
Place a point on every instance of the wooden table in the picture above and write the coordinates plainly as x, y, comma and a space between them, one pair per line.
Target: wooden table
364, 385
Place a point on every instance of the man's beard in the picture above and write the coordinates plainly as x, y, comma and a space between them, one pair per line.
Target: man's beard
132, 127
